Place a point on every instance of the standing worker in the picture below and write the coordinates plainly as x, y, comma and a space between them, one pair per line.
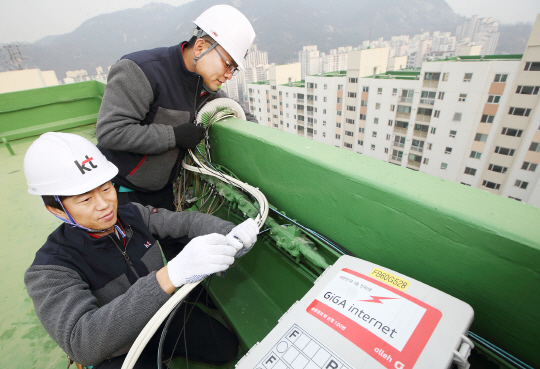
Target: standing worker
147, 117
99, 277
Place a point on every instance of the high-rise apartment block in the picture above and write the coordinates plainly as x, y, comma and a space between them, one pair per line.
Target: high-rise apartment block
481, 31
474, 120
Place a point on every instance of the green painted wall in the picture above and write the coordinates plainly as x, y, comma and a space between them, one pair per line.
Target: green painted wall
26, 109
479, 247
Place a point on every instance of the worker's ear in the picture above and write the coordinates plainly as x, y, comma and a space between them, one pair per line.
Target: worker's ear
57, 212
199, 47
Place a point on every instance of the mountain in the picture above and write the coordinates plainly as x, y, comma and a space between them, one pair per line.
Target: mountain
282, 26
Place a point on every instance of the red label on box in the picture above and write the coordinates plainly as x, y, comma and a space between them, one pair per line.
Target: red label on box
386, 323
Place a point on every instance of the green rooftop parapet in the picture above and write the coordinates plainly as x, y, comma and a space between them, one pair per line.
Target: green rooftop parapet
33, 112
481, 248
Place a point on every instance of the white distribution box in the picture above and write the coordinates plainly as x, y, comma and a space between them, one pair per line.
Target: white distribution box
361, 315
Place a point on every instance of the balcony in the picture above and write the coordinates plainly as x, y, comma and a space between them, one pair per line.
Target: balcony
396, 158
398, 144
430, 84
417, 148
427, 101
405, 116
405, 99
422, 118
413, 163
310, 112
300, 101
418, 133
400, 130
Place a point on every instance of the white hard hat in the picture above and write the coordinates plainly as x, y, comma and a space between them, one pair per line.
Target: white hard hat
229, 28
65, 164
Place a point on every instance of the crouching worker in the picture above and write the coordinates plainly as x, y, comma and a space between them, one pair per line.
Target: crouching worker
99, 277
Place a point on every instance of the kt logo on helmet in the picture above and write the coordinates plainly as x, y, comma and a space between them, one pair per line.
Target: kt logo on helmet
82, 167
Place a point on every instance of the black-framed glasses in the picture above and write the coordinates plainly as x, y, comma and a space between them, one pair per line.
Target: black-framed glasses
230, 68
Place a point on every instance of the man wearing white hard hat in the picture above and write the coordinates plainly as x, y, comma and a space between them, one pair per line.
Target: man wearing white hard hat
100, 277
147, 117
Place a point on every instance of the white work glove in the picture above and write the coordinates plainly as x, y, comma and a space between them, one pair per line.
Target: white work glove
243, 237
202, 256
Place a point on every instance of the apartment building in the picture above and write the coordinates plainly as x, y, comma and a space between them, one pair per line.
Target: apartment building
473, 120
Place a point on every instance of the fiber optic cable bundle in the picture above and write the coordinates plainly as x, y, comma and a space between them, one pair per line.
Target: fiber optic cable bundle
211, 113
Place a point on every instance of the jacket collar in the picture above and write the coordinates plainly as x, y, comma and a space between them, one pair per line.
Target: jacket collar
82, 238
191, 78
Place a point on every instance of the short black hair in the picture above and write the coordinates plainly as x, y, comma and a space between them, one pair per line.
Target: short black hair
192, 40
49, 200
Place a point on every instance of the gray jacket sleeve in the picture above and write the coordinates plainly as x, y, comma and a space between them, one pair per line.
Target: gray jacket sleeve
69, 312
126, 102
249, 117
163, 223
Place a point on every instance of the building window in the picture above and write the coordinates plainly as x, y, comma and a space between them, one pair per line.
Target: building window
339, 100
281, 122
481, 137
379, 91
374, 134
361, 129
462, 97
521, 184
392, 107
347, 145
351, 108
425, 111
429, 76
353, 80
475, 155
448, 150
338, 112
362, 117
426, 161
372, 147
338, 137
512, 132
467, 77
444, 166
349, 133
390, 122
500, 78
504, 151
514, 198
494, 99
453, 134
440, 96
532, 66
492, 185
324, 111
405, 125
497, 168
287, 125
324, 134
527, 90
360, 142
350, 121
363, 102
340, 87
529, 166
487, 118
520, 111
376, 120
338, 125
436, 113
388, 137
470, 171
394, 92
433, 130
352, 94
365, 88
535, 146
457, 117
386, 150
429, 146
377, 106
445, 76
325, 86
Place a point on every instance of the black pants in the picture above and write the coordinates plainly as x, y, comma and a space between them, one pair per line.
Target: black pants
163, 198
207, 341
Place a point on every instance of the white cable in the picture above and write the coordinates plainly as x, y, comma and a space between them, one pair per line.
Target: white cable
151, 327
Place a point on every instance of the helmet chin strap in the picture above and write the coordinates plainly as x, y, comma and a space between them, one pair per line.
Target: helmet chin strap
73, 223
200, 33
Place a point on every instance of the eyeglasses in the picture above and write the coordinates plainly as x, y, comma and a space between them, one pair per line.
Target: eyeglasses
230, 68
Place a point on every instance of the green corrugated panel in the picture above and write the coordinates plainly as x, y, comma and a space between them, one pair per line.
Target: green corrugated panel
476, 246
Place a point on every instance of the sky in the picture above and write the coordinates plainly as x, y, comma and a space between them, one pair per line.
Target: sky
30, 20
